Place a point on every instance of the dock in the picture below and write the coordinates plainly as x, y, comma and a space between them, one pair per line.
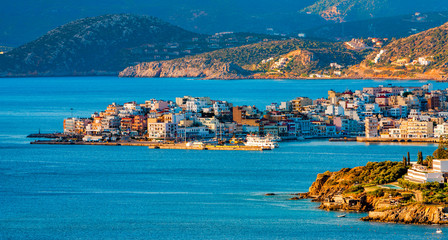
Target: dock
153, 145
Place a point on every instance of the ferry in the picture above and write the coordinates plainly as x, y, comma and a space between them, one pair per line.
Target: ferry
258, 141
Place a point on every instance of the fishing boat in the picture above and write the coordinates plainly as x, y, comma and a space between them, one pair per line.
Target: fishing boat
439, 230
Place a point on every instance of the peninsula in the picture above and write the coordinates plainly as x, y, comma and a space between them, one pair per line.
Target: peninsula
396, 192
372, 114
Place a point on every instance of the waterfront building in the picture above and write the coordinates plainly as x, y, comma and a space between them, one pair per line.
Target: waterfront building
110, 123
371, 127
422, 174
414, 128
441, 130
160, 130
69, 125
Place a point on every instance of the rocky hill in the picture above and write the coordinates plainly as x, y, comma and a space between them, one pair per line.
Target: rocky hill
290, 58
420, 56
107, 44
352, 10
88, 46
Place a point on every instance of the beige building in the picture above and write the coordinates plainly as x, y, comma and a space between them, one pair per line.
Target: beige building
371, 125
413, 128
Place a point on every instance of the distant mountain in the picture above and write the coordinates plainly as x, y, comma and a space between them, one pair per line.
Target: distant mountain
385, 27
23, 21
291, 58
421, 56
352, 10
107, 44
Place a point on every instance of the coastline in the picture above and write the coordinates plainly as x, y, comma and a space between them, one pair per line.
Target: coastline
251, 77
153, 145
342, 191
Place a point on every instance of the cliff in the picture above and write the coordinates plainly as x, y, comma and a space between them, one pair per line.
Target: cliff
196, 67
411, 214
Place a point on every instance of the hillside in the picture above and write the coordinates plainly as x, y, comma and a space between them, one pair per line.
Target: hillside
107, 44
384, 27
290, 58
421, 56
352, 10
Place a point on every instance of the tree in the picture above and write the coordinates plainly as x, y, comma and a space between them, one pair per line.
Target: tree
405, 161
429, 160
409, 158
419, 158
440, 152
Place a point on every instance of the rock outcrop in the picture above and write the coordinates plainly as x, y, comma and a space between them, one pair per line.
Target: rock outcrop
343, 190
411, 214
194, 67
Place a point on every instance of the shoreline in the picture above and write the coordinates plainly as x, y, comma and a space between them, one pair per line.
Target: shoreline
153, 145
239, 78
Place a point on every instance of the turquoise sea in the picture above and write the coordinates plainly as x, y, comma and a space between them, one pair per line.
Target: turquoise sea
104, 192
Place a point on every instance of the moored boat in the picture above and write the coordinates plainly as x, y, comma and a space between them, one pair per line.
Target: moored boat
265, 142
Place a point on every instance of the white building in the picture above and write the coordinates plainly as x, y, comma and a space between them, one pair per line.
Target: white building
422, 174
192, 132
221, 108
162, 130
196, 104
441, 130
334, 110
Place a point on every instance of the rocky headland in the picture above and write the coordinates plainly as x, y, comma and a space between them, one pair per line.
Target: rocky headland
362, 189
195, 67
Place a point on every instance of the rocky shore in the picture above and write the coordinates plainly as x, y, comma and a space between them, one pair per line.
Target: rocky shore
195, 67
357, 189
417, 213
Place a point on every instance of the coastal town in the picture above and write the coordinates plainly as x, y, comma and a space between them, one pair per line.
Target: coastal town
384, 113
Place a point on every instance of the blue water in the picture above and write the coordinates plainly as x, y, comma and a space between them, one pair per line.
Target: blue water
103, 192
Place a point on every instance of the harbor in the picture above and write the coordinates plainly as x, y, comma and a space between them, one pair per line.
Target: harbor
155, 145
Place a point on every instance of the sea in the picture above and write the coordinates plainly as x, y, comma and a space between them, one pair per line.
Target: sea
123, 192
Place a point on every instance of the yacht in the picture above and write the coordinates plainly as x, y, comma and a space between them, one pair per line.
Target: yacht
258, 141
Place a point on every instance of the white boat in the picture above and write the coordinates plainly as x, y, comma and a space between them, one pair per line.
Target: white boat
258, 141
341, 216
439, 230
